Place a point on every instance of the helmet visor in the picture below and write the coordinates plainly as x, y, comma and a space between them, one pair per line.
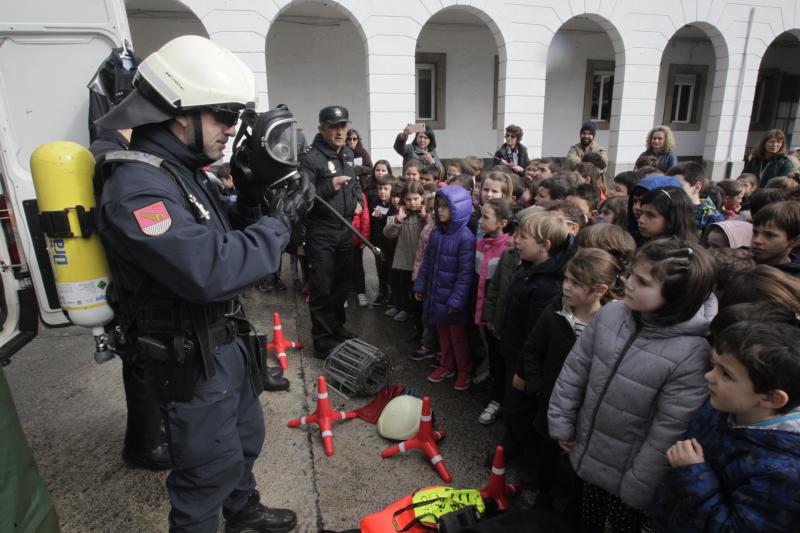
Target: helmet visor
280, 141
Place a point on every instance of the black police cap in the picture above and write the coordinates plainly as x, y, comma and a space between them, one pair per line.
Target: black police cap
334, 114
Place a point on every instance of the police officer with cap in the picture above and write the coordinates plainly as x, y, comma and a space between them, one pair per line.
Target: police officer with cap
329, 165
179, 259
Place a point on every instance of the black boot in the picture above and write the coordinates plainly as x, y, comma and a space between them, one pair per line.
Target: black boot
156, 459
273, 379
256, 518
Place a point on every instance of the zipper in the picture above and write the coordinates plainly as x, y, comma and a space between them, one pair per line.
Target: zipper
627, 347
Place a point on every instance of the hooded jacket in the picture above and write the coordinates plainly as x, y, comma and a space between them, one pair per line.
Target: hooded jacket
626, 393
738, 232
445, 277
642, 186
750, 480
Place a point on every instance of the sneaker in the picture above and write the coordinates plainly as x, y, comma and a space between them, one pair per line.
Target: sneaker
362, 300
489, 414
382, 299
440, 374
421, 353
265, 286
402, 316
280, 286
462, 381
481, 376
392, 311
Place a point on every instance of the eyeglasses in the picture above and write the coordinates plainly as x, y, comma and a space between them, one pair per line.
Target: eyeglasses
227, 117
352, 138
510, 136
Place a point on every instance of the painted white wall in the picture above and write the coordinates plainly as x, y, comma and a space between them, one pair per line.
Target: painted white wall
689, 143
311, 67
565, 88
149, 33
470, 87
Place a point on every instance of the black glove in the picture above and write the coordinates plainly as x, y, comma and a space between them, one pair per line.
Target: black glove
250, 192
291, 204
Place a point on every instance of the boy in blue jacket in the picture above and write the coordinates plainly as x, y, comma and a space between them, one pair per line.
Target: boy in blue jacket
739, 469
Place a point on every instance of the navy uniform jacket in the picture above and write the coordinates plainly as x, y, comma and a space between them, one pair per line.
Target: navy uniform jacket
147, 228
321, 163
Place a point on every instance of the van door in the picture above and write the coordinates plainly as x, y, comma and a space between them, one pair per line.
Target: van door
49, 51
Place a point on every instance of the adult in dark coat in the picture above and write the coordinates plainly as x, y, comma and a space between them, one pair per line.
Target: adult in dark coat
513, 154
770, 159
180, 258
328, 163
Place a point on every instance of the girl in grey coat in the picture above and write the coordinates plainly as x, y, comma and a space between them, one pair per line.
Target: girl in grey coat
632, 382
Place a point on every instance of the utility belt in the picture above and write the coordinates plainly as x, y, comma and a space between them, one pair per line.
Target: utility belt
178, 336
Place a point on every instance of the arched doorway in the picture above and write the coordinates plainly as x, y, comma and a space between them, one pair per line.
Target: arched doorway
155, 22
777, 93
685, 87
584, 67
460, 60
316, 57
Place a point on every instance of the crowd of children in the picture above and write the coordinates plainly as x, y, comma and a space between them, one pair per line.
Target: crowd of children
640, 331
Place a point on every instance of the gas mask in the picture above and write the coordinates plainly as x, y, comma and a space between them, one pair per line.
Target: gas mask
265, 147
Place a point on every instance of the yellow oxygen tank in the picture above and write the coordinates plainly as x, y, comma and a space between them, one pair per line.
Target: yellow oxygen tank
62, 176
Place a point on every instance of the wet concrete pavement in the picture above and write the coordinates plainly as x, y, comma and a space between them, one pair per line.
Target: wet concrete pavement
73, 412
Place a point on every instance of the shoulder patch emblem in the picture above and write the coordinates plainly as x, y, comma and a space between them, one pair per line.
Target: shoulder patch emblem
331, 168
153, 220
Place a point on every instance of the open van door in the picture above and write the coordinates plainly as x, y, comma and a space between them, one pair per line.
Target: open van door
49, 51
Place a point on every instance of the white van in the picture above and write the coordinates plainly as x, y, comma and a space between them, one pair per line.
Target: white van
49, 51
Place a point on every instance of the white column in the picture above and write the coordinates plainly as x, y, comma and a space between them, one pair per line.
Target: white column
635, 88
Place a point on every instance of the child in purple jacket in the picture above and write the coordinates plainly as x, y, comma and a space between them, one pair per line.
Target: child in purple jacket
445, 283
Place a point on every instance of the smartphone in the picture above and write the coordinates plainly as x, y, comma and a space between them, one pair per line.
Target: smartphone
418, 127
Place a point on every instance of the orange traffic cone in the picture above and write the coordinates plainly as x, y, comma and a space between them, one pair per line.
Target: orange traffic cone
323, 416
497, 488
279, 344
424, 440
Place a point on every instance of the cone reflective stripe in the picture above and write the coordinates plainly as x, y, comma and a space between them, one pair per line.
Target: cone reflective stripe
323, 416
279, 344
497, 488
424, 440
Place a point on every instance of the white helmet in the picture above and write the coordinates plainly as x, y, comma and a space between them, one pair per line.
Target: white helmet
400, 418
189, 72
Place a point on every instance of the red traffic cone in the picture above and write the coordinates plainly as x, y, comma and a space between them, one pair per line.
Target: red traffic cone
497, 488
279, 344
323, 416
425, 440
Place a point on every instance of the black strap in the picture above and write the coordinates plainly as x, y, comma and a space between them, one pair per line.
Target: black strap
104, 168
201, 330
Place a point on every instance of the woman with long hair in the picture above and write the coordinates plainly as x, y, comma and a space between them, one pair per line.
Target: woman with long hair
769, 158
